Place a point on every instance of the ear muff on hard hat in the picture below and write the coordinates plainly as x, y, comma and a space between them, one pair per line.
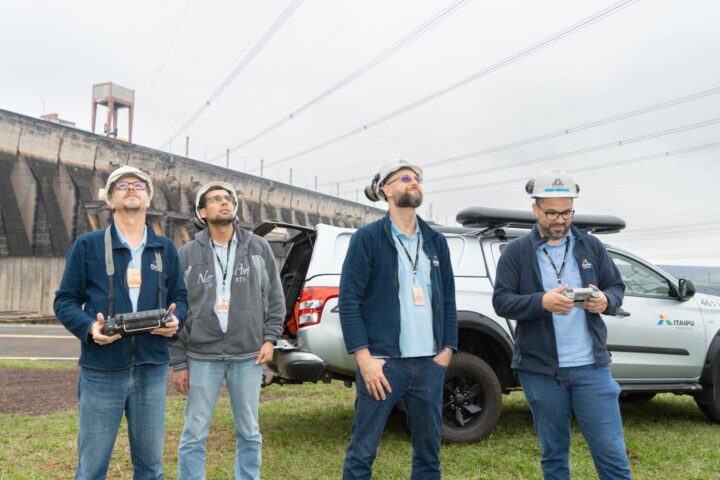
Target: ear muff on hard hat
117, 174
552, 184
200, 197
374, 192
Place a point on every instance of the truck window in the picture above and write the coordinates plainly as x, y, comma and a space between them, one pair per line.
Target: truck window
640, 280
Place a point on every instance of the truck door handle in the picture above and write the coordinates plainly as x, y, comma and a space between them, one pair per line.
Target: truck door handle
622, 313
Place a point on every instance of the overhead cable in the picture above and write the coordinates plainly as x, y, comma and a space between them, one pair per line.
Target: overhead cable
241, 65
534, 48
354, 75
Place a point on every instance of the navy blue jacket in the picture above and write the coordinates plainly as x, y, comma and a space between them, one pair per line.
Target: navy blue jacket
519, 290
368, 302
83, 293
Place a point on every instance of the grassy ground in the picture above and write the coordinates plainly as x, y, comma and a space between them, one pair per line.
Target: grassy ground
306, 429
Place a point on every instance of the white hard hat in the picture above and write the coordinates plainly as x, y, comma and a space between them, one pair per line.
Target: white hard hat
553, 184
117, 174
212, 186
374, 191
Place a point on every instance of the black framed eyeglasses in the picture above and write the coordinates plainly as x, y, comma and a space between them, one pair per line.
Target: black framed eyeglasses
566, 215
407, 179
135, 185
220, 198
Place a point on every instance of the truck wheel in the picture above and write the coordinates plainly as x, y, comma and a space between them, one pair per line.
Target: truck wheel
472, 400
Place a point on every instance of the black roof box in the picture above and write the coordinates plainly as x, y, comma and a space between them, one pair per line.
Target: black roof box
492, 218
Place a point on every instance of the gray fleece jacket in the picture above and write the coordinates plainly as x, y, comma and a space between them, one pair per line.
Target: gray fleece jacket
257, 303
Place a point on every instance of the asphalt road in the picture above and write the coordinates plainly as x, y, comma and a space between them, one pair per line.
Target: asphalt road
38, 342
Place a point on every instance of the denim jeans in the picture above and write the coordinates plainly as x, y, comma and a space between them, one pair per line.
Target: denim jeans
104, 396
591, 394
418, 382
243, 380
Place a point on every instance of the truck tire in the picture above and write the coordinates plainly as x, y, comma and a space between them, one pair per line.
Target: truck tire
472, 400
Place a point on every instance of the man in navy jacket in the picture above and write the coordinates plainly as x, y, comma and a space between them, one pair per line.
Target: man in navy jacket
121, 375
397, 311
560, 352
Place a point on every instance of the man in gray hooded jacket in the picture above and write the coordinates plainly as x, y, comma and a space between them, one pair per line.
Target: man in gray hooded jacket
236, 312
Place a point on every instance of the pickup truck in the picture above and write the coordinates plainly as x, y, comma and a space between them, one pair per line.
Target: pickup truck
666, 337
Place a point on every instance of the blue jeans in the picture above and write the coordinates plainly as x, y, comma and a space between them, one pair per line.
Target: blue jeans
104, 396
243, 380
418, 382
591, 394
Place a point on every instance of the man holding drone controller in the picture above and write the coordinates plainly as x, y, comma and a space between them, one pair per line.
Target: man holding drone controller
110, 274
561, 355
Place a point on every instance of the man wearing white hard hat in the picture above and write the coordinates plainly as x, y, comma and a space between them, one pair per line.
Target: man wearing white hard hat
397, 311
561, 356
236, 313
124, 268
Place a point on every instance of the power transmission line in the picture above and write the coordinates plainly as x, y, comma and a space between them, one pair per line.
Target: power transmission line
581, 25
597, 166
355, 74
244, 62
561, 132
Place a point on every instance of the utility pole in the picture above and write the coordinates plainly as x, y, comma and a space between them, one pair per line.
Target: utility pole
262, 165
227, 158
291, 176
187, 147
338, 189
316, 183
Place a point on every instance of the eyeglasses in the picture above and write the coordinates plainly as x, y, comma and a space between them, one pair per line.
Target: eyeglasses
220, 199
407, 179
135, 185
566, 215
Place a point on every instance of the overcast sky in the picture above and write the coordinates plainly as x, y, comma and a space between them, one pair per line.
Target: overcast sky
486, 94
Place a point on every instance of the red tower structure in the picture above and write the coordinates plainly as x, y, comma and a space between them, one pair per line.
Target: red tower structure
114, 97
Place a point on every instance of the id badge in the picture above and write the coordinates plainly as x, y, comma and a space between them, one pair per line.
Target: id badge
223, 304
134, 278
418, 295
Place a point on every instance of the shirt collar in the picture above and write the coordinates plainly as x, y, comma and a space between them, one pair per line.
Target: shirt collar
125, 242
397, 233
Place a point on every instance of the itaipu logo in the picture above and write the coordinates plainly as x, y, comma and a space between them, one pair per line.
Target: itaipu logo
664, 321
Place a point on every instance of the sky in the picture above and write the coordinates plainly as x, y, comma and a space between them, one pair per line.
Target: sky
625, 95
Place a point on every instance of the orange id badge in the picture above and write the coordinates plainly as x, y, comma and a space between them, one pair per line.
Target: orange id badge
223, 304
418, 295
134, 278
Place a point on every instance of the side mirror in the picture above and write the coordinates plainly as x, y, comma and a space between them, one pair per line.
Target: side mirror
686, 289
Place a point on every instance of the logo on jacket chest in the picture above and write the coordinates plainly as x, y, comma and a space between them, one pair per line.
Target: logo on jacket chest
205, 279
586, 264
241, 273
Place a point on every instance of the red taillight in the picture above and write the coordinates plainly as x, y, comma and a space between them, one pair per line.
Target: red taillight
308, 308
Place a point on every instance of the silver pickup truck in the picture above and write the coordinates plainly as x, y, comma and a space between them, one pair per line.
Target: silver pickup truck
666, 337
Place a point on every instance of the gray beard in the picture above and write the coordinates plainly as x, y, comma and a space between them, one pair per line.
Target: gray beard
554, 235
408, 201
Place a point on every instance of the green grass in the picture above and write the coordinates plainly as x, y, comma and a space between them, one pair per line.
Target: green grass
39, 364
306, 429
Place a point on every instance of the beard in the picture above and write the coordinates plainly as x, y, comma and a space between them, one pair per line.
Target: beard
554, 234
221, 220
407, 200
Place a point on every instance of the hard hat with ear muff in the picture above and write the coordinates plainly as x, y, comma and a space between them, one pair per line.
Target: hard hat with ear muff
374, 192
553, 184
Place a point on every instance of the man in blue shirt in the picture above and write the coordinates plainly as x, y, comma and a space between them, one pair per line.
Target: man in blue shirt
397, 311
124, 268
561, 355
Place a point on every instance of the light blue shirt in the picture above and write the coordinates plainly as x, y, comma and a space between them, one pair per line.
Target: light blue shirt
416, 321
574, 343
221, 251
135, 262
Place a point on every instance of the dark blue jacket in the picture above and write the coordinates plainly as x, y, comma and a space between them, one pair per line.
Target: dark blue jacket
519, 290
369, 304
83, 293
